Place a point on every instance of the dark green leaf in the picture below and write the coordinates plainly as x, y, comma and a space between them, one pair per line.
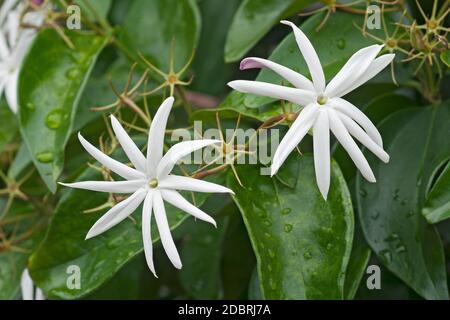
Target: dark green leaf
201, 254
390, 210
151, 26
9, 127
253, 20
51, 82
302, 242
437, 205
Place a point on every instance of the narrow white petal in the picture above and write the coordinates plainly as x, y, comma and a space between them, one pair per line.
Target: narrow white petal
177, 152
322, 152
297, 79
164, 230
117, 213
26, 285
156, 136
147, 232
340, 132
11, 91
4, 48
353, 112
310, 56
375, 67
294, 95
39, 295
114, 165
131, 150
191, 184
294, 136
177, 200
6, 8
108, 186
355, 130
356, 66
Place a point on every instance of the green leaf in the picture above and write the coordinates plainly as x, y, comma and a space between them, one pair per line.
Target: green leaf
357, 265
390, 210
253, 20
98, 258
52, 79
302, 242
151, 26
445, 58
201, 254
335, 43
101, 8
437, 205
24, 227
9, 127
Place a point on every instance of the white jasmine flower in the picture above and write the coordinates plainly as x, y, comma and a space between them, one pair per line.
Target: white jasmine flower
149, 182
29, 291
15, 42
324, 109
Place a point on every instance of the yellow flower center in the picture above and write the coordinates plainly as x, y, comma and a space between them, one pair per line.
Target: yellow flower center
153, 183
321, 99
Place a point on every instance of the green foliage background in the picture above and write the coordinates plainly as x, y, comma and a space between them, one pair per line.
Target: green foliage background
277, 238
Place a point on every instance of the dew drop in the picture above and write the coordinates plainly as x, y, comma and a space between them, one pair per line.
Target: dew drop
400, 248
267, 222
31, 106
341, 44
288, 227
271, 253
392, 237
55, 118
329, 246
385, 256
286, 211
45, 157
363, 193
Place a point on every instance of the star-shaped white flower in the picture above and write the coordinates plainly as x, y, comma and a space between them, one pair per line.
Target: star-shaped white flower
15, 42
324, 109
149, 182
29, 291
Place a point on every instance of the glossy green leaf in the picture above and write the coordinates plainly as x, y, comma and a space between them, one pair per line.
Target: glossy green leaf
24, 227
151, 26
357, 265
9, 127
98, 258
445, 58
302, 242
51, 82
101, 8
253, 20
337, 41
437, 205
201, 254
390, 210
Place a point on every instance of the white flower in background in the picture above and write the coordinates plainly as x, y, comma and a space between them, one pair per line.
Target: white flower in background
150, 182
324, 109
29, 291
15, 42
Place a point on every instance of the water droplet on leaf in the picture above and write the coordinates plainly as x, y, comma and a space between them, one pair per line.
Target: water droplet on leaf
288, 227
341, 44
45, 157
55, 118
